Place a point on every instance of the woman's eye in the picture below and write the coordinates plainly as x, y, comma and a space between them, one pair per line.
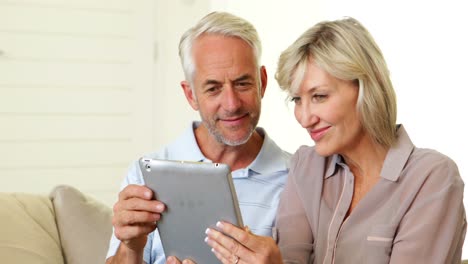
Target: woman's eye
295, 99
319, 97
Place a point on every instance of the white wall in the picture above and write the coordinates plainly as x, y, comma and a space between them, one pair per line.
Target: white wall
171, 113
72, 76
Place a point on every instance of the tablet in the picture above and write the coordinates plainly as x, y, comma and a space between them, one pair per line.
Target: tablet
197, 195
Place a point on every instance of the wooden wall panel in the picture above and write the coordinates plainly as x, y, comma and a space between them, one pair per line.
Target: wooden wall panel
65, 127
75, 93
60, 20
51, 74
64, 102
30, 47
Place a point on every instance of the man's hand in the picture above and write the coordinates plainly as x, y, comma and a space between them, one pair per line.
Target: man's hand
135, 216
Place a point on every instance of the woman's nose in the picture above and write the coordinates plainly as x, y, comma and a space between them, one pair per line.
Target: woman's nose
305, 115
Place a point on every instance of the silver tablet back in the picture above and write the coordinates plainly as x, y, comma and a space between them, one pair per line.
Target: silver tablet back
197, 195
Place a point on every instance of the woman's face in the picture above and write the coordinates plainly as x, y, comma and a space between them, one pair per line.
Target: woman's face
326, 107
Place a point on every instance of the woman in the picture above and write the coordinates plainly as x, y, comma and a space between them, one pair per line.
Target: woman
364, 193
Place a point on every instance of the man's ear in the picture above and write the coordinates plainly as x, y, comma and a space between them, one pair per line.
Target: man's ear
192, 100
263, 79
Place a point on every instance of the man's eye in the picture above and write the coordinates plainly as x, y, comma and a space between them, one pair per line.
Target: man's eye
212, 89
243, 84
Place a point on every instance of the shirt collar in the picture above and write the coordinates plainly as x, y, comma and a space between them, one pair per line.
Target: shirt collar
331, 165
394, 162
270, 159
186, 147
397, 156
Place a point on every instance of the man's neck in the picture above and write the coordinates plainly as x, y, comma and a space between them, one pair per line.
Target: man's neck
236, 157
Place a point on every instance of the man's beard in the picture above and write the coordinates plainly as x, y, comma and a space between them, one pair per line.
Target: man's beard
211, 126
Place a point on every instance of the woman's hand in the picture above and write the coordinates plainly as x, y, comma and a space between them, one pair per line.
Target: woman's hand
244, 248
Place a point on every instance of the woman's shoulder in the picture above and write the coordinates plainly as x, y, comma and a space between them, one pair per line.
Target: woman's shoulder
307, 151
303, 153
306, 161
431, 158
434, 166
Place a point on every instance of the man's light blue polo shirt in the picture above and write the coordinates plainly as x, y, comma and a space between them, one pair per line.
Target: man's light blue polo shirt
258, 186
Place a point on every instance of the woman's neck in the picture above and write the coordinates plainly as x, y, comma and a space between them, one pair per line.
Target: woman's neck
366, 158
365, 161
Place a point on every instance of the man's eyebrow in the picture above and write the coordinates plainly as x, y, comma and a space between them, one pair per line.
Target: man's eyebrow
211, 82
243, 78
238, 79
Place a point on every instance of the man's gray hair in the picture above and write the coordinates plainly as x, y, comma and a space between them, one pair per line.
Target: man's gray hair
221, 23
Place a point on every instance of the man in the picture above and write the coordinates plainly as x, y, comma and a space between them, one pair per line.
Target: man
225, 83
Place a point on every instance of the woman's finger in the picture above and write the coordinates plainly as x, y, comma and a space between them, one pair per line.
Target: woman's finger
262, 249
243, 236
227, 247
225, 260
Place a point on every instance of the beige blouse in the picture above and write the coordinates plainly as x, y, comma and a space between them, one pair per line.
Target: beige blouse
414, 213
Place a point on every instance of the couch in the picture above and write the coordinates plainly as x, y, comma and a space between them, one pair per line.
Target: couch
66, 227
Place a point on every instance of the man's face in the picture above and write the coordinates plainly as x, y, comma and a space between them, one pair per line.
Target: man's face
226, 85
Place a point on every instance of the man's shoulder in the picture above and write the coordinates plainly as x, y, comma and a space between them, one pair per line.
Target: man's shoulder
184, 147
270, 145
271, 158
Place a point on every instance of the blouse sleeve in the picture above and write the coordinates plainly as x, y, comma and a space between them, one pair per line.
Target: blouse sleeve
433, 229
295, 234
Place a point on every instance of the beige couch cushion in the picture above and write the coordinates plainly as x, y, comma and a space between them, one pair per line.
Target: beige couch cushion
84, 225
28, 230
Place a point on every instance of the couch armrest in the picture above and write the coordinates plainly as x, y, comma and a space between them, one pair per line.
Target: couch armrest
28, 230
84, 225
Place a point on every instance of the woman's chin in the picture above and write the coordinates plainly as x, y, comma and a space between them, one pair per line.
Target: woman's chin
324, 151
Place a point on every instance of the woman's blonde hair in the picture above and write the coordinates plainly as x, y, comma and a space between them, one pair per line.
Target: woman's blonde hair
346, 50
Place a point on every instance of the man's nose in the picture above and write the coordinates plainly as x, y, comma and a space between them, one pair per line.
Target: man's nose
231, 99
